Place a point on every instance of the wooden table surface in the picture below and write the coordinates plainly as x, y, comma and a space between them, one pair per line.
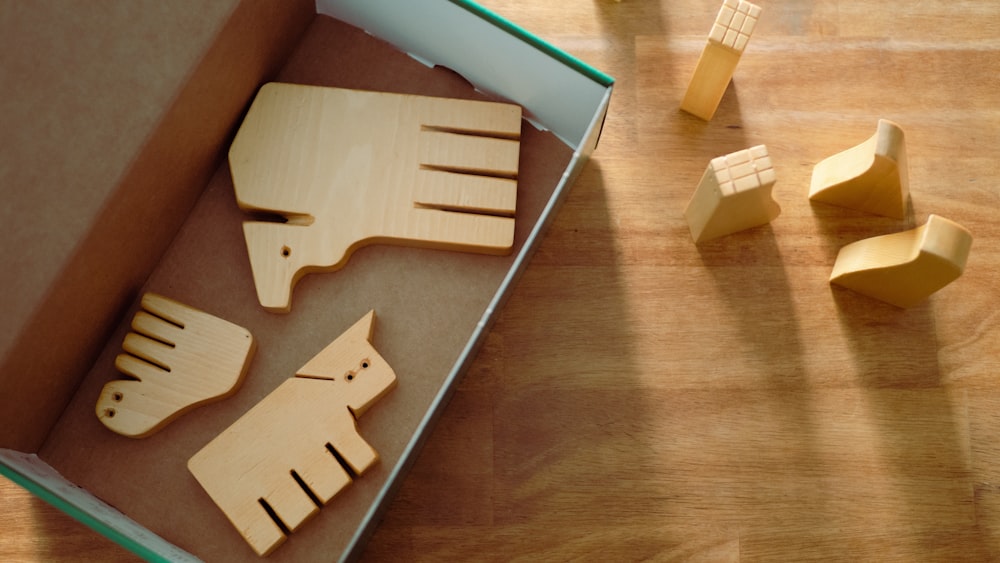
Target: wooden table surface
641, 397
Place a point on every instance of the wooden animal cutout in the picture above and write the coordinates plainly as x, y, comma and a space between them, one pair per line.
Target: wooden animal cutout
870, 177
291, 453
905, 268
180, 358
726, 42
734, 194
338, 169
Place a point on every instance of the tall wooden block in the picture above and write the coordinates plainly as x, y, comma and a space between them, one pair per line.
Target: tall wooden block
734, 194
729, 36
870, 177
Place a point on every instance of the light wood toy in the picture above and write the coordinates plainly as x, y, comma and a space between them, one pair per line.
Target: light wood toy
291, 453
180, 358
339, 169
728, 39
870, 177
905, 268
734, 194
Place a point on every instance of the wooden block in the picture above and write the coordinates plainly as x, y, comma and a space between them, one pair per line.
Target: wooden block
905, 268
870, 177
296, 449
734, 194
337, 169
730, 34
180, 358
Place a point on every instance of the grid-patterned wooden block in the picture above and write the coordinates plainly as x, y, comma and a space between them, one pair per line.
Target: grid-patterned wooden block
734, 24
729, 36
734, 194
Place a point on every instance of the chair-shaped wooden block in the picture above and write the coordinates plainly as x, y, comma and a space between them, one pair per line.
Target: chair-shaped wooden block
730, 33
870, 177
905, 268
734, 194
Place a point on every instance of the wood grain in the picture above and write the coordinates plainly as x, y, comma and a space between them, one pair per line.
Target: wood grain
642, 397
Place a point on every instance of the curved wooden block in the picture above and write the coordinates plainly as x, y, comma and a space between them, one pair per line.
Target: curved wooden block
734, 194
338, 169
179, 358
273, 468
870, 177
905, 268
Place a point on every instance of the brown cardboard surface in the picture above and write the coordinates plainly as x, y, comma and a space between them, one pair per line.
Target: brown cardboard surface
427, 305
113, 120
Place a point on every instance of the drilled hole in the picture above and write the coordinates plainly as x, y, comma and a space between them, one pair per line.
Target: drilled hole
117, 396
364, 364
286, 251
350, 376
110, 413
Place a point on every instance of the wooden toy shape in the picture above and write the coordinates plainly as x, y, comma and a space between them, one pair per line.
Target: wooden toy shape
181, 358
734, 194
291, 453
905, 268
344, 168
869, 177
726, 42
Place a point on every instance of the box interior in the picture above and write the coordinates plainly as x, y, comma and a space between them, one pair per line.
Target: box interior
427, 304
116, 127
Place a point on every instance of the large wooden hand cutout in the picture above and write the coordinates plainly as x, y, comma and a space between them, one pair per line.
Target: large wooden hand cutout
337, 169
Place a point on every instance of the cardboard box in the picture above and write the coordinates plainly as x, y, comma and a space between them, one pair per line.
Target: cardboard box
117, 185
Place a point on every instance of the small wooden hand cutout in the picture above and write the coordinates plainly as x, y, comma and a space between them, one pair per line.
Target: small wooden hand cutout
291, 453
734, 194
905, 268
729, 36
345, 168
870, 177
181, 358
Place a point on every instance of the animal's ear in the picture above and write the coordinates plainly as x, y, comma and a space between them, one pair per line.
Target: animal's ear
362, 330
343, 353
